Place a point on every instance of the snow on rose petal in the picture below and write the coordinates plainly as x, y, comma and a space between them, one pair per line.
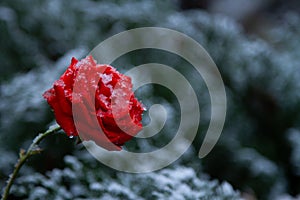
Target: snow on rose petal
61, 98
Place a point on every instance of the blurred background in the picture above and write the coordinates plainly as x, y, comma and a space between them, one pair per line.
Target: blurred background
256, 46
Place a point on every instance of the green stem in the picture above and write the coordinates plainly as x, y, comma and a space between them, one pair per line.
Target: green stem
24, 155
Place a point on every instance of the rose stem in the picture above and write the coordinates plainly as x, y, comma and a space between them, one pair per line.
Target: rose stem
24, 155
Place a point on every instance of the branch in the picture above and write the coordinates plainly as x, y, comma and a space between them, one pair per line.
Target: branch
24, 155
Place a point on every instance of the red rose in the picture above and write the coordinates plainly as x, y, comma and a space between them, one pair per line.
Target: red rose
106, 110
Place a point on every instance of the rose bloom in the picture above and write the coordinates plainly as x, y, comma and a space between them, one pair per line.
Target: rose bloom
106, 109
